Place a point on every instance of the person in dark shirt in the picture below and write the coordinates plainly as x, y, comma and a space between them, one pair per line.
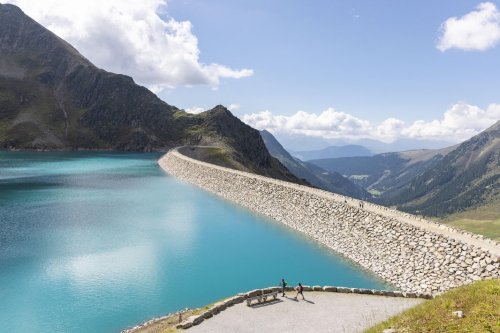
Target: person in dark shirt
300, 290
283, 285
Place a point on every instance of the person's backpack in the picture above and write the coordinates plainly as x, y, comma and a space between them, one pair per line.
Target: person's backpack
284, 284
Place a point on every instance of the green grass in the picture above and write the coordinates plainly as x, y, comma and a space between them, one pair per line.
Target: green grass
374, 192
214, 155
483, 220
358, 177
182, 114
488, 228
168, 324
480, 303
196, 130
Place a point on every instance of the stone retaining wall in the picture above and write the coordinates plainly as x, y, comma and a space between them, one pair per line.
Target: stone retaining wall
218, 307
414, 259
228, 302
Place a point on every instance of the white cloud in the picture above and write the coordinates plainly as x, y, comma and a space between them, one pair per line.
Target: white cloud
195, 110
327, 124
458, 123
233, 107
389, 129
478, 30
130, 37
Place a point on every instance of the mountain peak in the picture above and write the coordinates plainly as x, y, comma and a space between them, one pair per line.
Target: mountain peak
11, 8
494, 127
24, 40
220, 109
266, 132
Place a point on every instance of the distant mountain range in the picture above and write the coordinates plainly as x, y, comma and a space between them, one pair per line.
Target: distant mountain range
53, 98
403, 144
332, 152
314, 175
301, 143
381, 172
430, 182
467, 177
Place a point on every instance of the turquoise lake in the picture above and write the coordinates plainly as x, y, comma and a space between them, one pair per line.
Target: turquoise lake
97, 242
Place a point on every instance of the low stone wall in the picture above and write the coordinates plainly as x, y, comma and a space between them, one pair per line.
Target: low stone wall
218, 307
412, 258
147, 324
223, 305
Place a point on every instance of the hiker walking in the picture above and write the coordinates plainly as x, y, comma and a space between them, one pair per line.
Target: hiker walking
300, 290
283, 285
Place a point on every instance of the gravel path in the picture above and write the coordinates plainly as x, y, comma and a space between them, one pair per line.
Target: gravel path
320, 312
437, 228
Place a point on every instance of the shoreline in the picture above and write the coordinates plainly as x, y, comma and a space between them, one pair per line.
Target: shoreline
201, 314
408, 252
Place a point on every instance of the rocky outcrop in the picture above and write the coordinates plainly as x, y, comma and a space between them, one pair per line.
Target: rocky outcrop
414, 258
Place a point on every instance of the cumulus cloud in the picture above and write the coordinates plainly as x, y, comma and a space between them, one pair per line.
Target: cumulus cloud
478, 30
458, 123
131, 37
327, 124
233, 107
195, 110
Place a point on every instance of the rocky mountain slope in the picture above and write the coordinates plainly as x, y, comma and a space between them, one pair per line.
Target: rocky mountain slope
430, 182
316, 176
51, 97
383, 172
467, 177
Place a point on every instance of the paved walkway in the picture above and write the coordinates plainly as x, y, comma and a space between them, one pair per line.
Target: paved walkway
320, 312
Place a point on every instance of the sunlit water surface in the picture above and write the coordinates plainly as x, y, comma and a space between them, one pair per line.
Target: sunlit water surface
97, 242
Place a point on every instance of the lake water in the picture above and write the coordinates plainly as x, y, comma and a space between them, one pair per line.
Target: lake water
97, 242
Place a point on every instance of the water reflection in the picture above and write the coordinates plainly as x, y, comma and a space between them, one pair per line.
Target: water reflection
95, 243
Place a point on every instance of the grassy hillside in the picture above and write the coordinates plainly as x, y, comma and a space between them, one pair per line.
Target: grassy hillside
483, 220
435, 183
466, 178
480, 303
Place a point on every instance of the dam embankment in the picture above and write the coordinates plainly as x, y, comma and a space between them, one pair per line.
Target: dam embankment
413, 254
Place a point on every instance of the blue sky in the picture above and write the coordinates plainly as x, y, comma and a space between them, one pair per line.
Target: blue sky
374, 59
385, 70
